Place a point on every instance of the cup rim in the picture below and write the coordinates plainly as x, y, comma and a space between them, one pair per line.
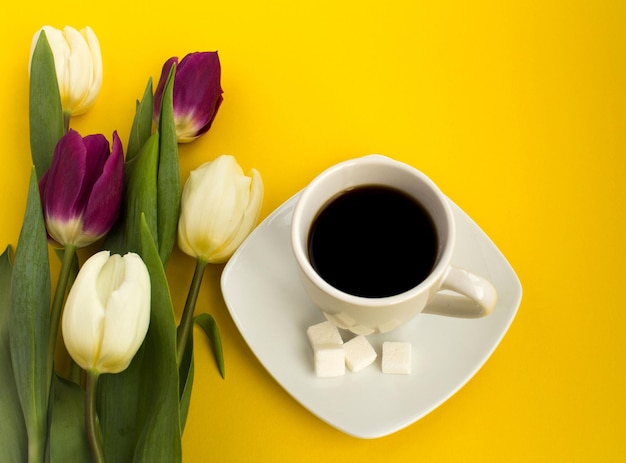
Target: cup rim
299, 247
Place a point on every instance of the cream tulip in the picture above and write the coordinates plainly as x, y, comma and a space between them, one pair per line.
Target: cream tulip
78, 65
219, 208
107, 312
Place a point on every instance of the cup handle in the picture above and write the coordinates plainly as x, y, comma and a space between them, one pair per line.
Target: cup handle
475, 296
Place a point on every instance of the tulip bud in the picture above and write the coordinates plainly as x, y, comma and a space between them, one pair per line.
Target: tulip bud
78, 65
107, 312
197, 93
82, 191
219, 208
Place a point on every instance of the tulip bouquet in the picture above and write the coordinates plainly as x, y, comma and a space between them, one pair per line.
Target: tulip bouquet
113, 217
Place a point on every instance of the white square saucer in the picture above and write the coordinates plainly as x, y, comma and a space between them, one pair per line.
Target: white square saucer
265, 298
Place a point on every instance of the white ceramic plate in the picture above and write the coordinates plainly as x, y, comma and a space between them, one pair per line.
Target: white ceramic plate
270, 308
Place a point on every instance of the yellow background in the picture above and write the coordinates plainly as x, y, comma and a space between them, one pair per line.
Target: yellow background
515, 108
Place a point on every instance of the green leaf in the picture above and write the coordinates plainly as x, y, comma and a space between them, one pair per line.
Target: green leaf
118, 399
45, 111
209, 326
142, 123
152, 177
186, 375
168, 189
68, 439
160, 436
73, 269
140, 196
30, 320
186, 372
138, 408
13, 438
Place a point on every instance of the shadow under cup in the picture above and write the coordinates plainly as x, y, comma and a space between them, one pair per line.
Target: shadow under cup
362, 311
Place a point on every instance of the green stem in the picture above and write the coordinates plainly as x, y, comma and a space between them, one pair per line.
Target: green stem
91, 420
66, 121
57, 304
35, 451
186, 322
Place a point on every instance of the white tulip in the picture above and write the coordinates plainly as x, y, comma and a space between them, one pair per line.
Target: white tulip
107, 312
78, 65
219, 208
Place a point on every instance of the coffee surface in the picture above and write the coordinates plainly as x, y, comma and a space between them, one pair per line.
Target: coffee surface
373, 241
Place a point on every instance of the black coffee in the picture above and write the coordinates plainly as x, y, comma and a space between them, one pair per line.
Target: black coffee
373, 241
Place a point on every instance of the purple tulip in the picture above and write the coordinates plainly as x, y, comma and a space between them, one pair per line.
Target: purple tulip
82, 191
197, 93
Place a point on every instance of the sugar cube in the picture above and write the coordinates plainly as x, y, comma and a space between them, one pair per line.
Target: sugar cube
359, 353
323, 333
330, 360
396, 358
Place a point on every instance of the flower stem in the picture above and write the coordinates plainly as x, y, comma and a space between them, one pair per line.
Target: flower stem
91, 420
57, 304
36, 453
186, 322
66, 121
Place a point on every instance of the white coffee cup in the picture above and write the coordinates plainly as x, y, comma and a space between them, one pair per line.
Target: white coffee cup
447, 290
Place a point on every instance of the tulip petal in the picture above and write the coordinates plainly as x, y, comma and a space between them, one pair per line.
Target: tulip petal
107, 312
82, 190
199, 75
76, 165
215, 105
183, 242
219, 208
127, 313
79, 71
248, 221
96, 71
104, 201
98, 151
197, 94
78, 66
61, 52
191, 215
220, 190
65, 178
84, 314
211, 95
